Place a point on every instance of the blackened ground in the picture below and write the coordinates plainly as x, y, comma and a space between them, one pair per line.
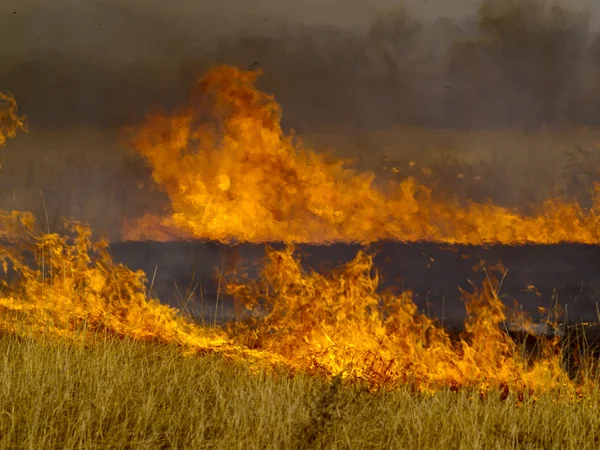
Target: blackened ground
187, 274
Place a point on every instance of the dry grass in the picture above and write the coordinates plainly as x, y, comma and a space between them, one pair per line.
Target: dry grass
125, 394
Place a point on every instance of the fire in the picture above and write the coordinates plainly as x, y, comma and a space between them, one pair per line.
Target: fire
243, 179
232, 174
66, 286
342, 325
10, 121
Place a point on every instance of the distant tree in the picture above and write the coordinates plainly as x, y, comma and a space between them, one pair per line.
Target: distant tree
391, 41
392, 50
524, 62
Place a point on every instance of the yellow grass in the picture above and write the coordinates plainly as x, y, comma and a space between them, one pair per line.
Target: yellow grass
122, 394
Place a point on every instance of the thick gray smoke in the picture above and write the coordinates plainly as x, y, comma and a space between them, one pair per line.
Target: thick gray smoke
511, 63
516, 64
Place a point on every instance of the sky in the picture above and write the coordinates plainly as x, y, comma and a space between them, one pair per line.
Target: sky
334, 12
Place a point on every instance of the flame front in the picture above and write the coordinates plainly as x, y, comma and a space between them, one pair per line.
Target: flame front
342, 325
329, 325
232, 174
240, 178
66, 286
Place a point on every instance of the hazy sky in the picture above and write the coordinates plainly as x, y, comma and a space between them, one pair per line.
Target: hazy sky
157, 25
333, 12
344, 12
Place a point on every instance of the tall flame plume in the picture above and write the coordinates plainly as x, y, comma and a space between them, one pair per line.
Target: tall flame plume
232, 174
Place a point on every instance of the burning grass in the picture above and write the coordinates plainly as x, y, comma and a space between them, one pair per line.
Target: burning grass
382, 372
65, 285
337, 325
341, 324
122, 393
232, 174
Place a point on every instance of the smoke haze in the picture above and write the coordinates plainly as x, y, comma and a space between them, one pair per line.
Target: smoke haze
368, 78
360, 64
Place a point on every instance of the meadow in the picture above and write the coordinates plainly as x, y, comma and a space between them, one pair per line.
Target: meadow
121, 394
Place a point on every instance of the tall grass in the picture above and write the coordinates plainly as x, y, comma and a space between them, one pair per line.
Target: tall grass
118, 393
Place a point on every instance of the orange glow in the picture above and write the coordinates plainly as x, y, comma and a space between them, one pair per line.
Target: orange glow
328, 325
233, 175
10, 121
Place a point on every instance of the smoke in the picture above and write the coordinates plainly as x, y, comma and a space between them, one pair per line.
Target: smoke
508, 63
351, 72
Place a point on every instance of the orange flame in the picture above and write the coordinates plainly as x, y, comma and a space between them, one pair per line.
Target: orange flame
72, 288
342, 325
245, 180
233, 175
330, 325
10, 121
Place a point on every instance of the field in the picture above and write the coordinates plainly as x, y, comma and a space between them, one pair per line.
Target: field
118, 393
321, 359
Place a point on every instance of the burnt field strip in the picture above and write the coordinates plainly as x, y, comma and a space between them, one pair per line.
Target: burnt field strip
186, 274
535, 276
